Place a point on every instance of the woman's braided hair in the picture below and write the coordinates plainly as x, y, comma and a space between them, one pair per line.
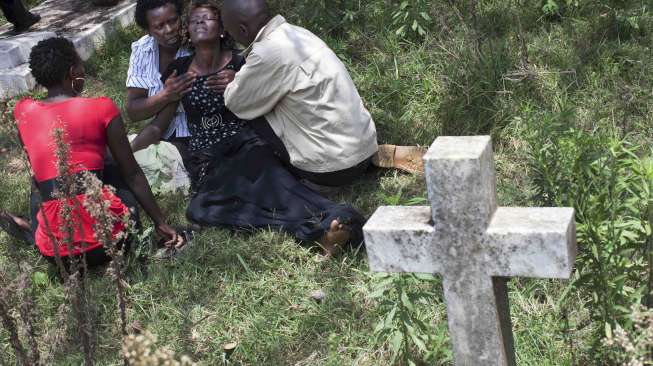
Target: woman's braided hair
51, 60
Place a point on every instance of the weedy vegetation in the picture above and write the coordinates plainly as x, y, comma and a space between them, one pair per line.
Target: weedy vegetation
564, 88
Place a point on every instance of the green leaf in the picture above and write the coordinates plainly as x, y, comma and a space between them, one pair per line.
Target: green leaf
390, 317
395, 345
424, 276
405, 301
595, 252
380, 292
242, 262
40, 279
425, 16
419, 343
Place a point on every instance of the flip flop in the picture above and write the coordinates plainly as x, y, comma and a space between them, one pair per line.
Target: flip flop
412, 160
9, 225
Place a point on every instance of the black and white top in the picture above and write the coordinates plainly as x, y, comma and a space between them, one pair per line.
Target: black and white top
209, 121
144, 73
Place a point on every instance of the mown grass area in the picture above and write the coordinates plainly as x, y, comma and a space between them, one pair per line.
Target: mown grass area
498, 68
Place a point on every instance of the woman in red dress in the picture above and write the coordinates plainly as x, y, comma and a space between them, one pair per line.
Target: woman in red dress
88, 126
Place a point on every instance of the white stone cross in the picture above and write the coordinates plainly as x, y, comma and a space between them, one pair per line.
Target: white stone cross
473, 244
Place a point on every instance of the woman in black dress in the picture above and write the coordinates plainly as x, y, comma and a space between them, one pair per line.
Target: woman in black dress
237, 180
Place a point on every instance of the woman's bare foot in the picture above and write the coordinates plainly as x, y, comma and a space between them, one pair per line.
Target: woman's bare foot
335, 238
16, 226
19, 222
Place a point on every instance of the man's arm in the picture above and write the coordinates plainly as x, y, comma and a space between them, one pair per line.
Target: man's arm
257, 88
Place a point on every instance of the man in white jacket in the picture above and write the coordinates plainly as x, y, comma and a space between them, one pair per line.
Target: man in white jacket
315, 117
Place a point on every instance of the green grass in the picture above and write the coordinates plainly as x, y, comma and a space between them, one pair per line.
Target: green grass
255, 289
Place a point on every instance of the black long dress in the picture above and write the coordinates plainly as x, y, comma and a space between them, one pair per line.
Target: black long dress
238, 181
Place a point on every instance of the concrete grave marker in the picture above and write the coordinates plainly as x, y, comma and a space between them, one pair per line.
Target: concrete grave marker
473, 244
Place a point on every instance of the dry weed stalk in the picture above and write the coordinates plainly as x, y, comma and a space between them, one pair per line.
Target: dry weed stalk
70, 215
139, 350
634, 348
74, 282
18, 316
27, 311
98, 208
9, 323
55, 336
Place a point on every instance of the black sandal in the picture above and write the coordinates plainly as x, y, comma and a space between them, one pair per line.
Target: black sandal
168, 253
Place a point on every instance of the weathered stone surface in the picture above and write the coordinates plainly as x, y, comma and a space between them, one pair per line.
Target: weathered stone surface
532, 242
15, 51
92, 35
473, 244
86, 25
402, 241
16, 81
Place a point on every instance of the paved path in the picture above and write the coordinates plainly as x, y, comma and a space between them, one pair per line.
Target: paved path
84, 24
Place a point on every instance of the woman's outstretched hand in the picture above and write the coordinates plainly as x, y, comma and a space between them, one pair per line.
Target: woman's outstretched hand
170, 235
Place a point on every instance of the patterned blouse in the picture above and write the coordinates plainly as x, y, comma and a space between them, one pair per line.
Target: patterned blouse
209, 121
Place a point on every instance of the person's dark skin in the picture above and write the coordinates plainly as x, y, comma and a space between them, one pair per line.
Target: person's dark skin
164, 26
208, 59
70, 87
205, 30
244, 19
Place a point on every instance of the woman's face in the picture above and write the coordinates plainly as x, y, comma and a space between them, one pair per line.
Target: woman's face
204, 25
164, 24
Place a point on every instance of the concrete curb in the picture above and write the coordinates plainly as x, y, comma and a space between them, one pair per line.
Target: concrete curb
15, 76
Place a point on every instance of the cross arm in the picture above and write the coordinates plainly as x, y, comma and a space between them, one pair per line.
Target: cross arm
400, 239
531, 242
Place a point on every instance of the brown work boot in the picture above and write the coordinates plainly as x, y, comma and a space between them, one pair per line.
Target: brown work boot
407, 158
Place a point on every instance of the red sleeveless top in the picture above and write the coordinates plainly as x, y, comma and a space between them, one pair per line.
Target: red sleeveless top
84, 122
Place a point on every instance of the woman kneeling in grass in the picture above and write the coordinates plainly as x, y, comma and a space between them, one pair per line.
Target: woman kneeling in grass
237, 179
86, 126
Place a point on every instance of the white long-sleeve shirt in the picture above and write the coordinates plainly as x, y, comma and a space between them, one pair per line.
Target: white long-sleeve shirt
306, 94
